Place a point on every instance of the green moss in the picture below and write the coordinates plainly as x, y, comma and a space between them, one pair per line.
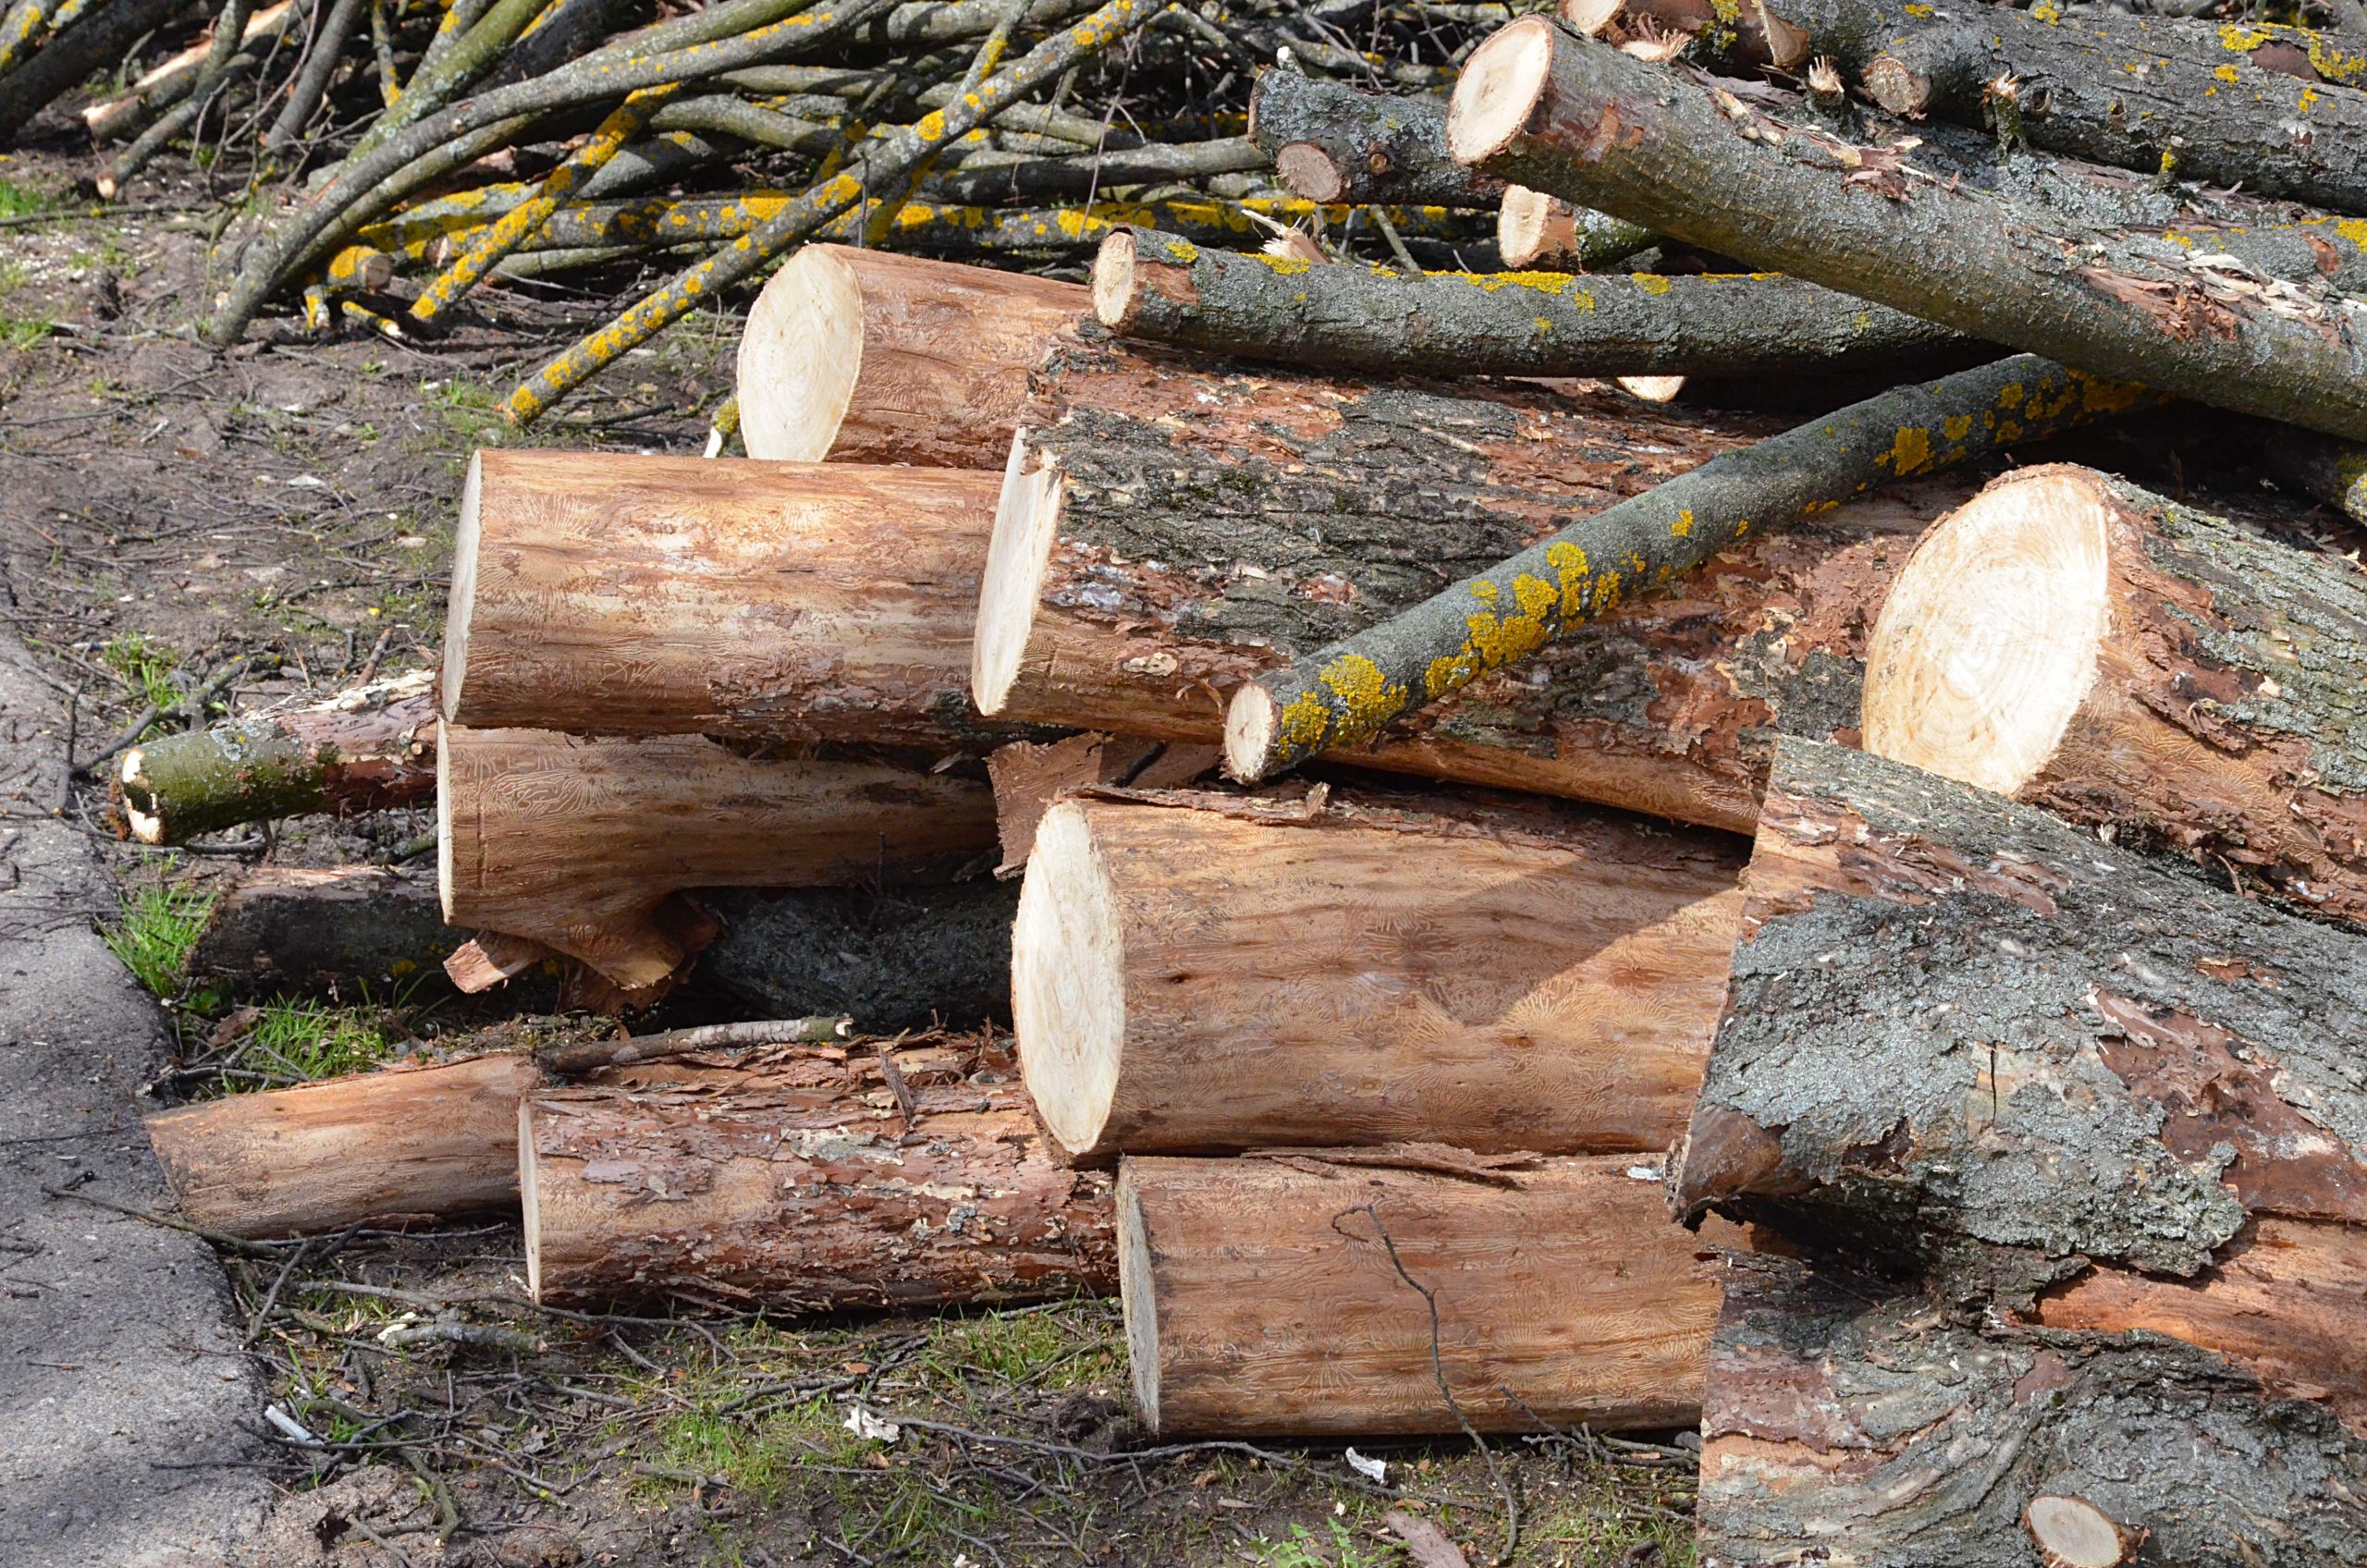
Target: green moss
158, 927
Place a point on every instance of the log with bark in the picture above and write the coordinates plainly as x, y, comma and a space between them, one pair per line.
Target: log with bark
1494, 972
1335, 1294
2126, 661
576, 842
347, 931
1376, 321
804, 603
2321, 468
862, 356
364, 750
827, 1180
1591, 124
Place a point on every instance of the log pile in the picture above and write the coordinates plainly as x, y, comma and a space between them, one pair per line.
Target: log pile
1369, 697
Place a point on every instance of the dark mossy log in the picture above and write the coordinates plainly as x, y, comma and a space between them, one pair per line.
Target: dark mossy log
1330, 1294
1332, 142
2321, 468
2124, 661
804, 603
402, 1144
1350, 690
363, 750
1846, 1422
820, 1181
890, 958
349, 931
1494, 973
1594, 125
1379, 321
866, 356
576, 842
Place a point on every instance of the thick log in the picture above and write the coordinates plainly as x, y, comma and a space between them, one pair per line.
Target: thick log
2126, 661
2321, 468
804, 603
1331, 1294
807, 1184
1588, 123
1377, 321
400, 1143
575, 843
363, 750
865, 356
347, 931
1495, 973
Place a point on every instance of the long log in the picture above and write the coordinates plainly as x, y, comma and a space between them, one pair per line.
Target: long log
2123, 661
400, 1143
575, 843
364, 750
1200, 974
1586, 122
810, 604
1331, 1294
864, 356
819, 1183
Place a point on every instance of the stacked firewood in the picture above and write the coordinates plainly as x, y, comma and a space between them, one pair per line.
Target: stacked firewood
1369, 715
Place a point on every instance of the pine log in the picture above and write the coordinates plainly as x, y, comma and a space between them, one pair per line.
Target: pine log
2124, 661
1594, 125
1331, 1294
1028, 775
1497, 974
400, 1143
810, 604
363, 750
2321, 468
1377, 321
575, 843
865, 356
805, 1185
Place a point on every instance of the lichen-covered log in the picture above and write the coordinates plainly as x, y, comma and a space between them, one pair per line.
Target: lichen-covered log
864, 356
1489, 972
1293, 1296
1595, 126
2321, 468
402, 1143
2123, 661
363, 750
1332, 142
803, 602
1847, 1422
1162, 289
575, 843
815, 1182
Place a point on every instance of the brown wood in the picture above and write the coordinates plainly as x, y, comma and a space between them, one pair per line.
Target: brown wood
865, 356
1029, 776
1197, 973
1261, 1297
797, 1182
403, 1143
608, 593
575, 843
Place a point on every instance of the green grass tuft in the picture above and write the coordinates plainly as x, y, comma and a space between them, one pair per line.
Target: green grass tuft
22, 201
314, 1040
158, 927
146, 666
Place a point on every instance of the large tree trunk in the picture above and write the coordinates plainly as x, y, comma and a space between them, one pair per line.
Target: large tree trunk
575, 843
1198, 973
816, 1182
402, 1143
812, 604
864, 356
1331, 1294
1592, 124
2120, 659
363, 750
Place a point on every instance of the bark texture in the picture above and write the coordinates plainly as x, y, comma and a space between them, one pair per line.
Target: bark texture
800, 1184
349, 931
892, 958
1028, 775
1293, 1296
1332, 142
2323, 469
1592, 124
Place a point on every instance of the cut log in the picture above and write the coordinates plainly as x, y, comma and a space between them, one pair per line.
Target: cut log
1375, 320
2321, 468
1027, 777
402, 1144
1540, 233
575, 843
2123, 661
1332, 1294
1494, 974
363, 750
347, 931
810, 604
1591, 125
864, 356
1332, 142
805, 1185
